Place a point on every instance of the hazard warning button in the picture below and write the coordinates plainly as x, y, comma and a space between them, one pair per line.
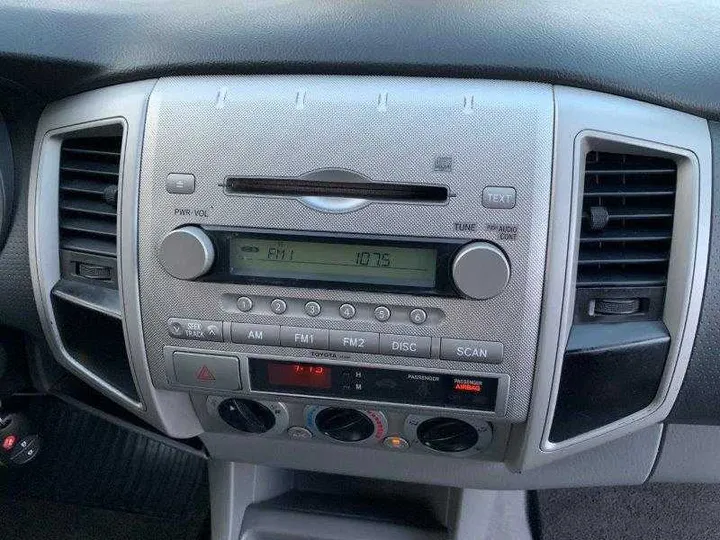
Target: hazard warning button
207, 370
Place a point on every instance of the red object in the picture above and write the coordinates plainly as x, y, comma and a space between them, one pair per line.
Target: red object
9, 442
204, 374
302, 375
474, 388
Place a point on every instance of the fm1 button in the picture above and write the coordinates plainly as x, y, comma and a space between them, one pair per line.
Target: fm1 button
464, 350
413, 346
305, 338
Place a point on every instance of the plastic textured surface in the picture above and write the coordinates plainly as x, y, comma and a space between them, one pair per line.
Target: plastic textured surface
597, 466
17, 304
634, 48
699, 398
262, 126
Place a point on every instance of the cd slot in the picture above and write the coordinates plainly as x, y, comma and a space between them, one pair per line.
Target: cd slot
369, 191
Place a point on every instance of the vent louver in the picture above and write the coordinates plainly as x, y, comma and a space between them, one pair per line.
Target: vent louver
627, 220
89, 176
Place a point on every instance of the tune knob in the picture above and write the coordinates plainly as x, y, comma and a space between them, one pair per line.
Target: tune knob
447, 434
346, 425
480, 270
187, 253
246, 415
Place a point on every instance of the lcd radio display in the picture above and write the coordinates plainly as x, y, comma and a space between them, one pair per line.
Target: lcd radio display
333, 262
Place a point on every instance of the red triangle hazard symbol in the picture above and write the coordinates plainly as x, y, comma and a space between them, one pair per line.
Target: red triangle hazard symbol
204, 374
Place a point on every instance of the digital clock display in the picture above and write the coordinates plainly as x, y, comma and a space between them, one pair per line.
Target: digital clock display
335, 262
299, 375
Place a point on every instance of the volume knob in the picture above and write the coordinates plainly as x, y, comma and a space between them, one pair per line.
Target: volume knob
187, 253
480, 270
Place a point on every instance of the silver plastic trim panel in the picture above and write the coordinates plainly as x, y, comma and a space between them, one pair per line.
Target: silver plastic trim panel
44, 237
124, 105
589, 120
247, 391
109, 304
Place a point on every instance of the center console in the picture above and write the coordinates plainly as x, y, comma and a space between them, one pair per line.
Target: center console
444, 281
347, 252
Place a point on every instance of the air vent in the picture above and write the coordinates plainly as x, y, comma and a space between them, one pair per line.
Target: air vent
627, 225
89, 182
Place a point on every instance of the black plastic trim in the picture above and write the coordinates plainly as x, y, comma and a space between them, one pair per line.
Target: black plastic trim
610, 371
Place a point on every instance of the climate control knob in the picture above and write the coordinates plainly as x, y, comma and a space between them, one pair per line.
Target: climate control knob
346, 425
447, 434
480, 270
187, 252
246, 415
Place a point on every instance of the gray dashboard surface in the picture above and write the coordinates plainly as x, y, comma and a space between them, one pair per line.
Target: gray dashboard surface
662, 52
699, 398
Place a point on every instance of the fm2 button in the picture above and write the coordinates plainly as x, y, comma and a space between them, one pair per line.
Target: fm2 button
345, 340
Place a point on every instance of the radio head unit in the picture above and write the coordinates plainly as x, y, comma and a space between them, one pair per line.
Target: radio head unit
312, 228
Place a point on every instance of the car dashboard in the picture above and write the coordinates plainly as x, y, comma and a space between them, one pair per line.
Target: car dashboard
485, 264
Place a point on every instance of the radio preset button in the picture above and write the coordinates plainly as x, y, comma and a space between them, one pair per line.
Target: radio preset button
464, 350
418, 316
363, 342
255, 334
313, 309
382, 313
414, 346
278, 306
347, 311
244, 303
197, 330
304, 338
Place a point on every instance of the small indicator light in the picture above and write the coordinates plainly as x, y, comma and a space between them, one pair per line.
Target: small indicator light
474, 388
9, 442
